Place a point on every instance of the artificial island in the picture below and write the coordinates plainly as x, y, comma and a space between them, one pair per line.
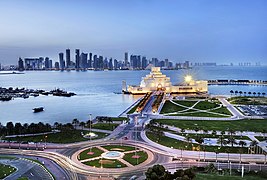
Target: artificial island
170, 132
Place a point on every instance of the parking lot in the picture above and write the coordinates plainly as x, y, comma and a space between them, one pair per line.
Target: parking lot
253, 110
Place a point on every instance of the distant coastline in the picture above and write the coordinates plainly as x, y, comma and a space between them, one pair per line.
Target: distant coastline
6, 73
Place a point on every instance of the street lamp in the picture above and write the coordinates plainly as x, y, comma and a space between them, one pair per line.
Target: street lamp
90, 129
45, 140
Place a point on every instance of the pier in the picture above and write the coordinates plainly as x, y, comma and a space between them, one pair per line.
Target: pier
237, 82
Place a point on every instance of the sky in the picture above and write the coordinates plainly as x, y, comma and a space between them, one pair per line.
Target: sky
199, 31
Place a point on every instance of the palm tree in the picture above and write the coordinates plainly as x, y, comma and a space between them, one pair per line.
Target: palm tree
75, 122
199, 139
231, 92
236, 92
253, 144
55, 124
205, 131
254, 93
264, 131
245, 93
242, 143
220, 140
263, 94
231, 132
231, 140
222, 133
249, 93
240, 92
259, 93
188, 139
214, 132
89, 123
82, 124
109, 120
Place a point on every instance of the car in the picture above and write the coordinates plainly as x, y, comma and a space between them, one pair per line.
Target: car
133, 177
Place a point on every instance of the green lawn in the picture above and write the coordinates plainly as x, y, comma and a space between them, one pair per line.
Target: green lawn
125, 148
97, 152
185, 103
60, 137
128, 157
199, 114
205, 105
6, 170
133, 109
6, 157
22, 178
96, 163
169, 107
118, 118
236, 125
248, 100
176, 144
212, 136
200, 176
222, 110
261, 138
105, 126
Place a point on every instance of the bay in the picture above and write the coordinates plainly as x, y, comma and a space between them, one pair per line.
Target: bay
97, 91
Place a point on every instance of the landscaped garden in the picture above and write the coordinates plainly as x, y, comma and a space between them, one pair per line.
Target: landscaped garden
201, 108
69, 136
255, 125
248, 100
177, 144
112, 156
105, 126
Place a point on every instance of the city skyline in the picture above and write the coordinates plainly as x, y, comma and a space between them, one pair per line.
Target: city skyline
203, 31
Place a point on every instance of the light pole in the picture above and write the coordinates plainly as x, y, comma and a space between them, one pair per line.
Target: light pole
90, 130
45, 141
135, 137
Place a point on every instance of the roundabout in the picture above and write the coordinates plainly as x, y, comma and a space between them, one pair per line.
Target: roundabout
113, 156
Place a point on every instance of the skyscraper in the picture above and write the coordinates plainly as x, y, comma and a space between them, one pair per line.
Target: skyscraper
126, 59
144, 62
110, 64
101, 62
56, 65
77, 59
166, 63
46, 63
67, 58
84, 60
115, 64
90, 61
95, 65
20, 65
50, 64
61, 61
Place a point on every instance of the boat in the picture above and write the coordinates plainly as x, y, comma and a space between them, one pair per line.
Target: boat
38, 109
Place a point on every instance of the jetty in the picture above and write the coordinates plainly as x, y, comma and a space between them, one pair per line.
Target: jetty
237, 82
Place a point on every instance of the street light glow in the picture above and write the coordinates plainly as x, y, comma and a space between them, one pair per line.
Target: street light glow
188, 78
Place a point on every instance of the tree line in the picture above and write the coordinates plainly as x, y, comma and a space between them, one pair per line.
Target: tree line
247, 93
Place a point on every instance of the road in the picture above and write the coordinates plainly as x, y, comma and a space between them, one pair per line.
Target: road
26, 168
65, 155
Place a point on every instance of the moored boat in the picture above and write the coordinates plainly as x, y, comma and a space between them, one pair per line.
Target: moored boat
38, 109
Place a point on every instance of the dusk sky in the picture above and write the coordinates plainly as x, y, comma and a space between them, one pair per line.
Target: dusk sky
199, 31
